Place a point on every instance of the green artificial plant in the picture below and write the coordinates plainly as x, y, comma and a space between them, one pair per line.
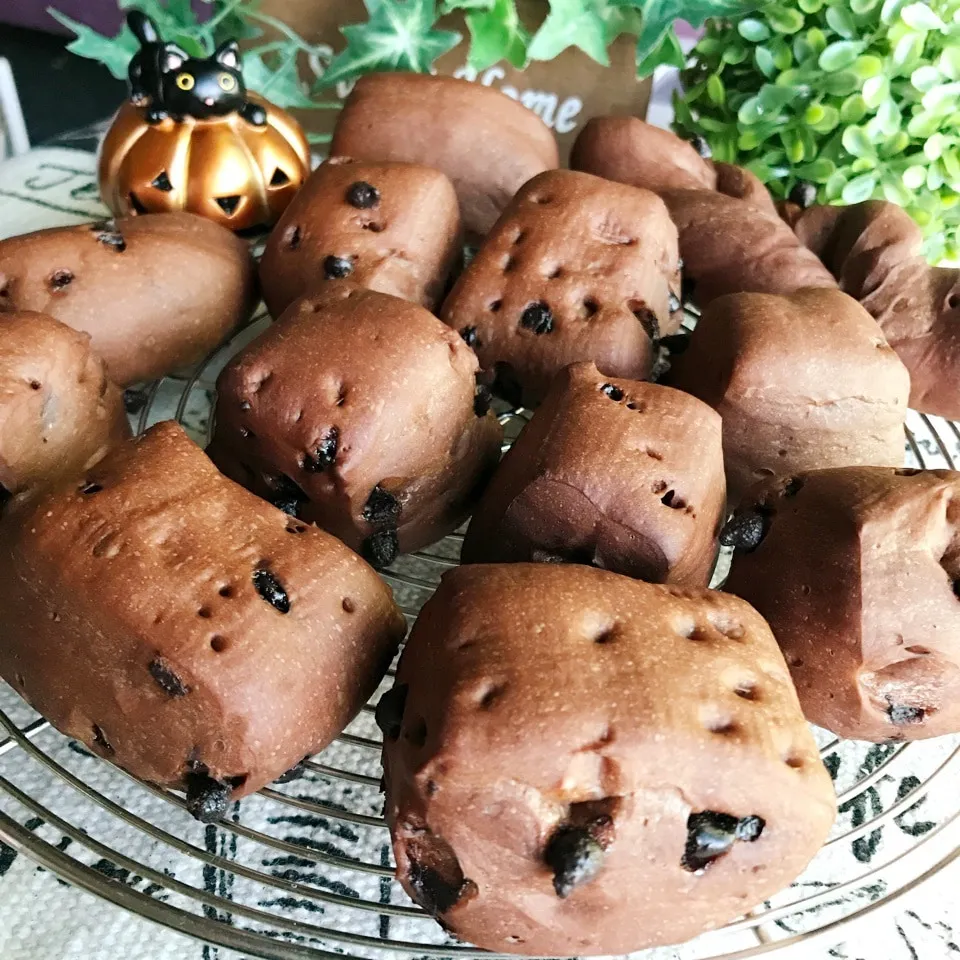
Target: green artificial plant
859, 97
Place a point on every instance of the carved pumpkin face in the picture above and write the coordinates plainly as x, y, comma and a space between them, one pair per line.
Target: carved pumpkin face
223, 168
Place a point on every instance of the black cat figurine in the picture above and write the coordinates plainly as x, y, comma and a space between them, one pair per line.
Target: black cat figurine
171, 83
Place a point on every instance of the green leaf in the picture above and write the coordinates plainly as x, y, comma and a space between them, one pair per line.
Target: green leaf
113, 52
840, 84
862, 164
939, 96
840, 55
895, 192
856, 142
784, 19
860, 7
889, 118
281, 85
750, 112
914, 177
817, 40
447, 6
782, 54
875, 91
669, 53
853, 109
810, 6
935, 145
756, 31
764, 60
829, 120
398, 36
860, 188
921, 17
867, 66
841, 21
793, 145
572, 23
497, 34
895, 145
908, 49
716, 91
924, 124
890, 11
935, 178
834, 186
925, 78
820, 171
949, 62
735, 54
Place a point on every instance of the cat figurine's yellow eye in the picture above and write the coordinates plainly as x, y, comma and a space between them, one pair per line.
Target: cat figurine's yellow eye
185, 81
227, 82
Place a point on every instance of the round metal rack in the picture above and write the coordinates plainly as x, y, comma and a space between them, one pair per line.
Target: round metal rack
303, 870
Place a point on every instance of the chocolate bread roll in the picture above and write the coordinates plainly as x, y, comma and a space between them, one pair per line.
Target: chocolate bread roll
731, 238
59, 414
875, 250
577, 268
485, 142
359, 412
578, 763
802, 382
622, 475
184, 629
392, 227
155, 292
857, 570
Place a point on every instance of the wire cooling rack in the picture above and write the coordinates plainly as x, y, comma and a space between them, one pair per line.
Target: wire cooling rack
303, 870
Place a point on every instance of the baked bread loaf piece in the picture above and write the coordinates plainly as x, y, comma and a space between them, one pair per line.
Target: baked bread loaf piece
155, 292
802, 382
622, 475
731, 238
59, 414
856, 570
359, 412
875, 250
578, 763
577, 268
392, 227
485, 142
184, 629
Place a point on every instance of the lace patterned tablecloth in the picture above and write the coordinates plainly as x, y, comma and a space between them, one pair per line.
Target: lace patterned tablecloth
41, 918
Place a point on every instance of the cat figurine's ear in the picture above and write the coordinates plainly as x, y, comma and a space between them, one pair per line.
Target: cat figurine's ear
172, 58
228, 54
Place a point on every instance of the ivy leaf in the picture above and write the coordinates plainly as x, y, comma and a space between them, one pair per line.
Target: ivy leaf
448, 6
668, 53
113, 52
398, 36
280, 85
658, 16
497, 34
572, 23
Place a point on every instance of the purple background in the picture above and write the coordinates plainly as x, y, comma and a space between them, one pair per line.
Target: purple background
103, 15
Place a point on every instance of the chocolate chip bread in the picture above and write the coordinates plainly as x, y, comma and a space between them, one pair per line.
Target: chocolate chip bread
392, 227
577, 268
622, 475
875, 250
731, 238
578, 763
802, 382
485, 142
155, 292
59, 414
184, 629
359, 412
857, 570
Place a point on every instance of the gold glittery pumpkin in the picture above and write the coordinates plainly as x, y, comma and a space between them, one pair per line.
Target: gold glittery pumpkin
223, 168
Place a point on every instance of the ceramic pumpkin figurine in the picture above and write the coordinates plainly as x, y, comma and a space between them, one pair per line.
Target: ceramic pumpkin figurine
192, 138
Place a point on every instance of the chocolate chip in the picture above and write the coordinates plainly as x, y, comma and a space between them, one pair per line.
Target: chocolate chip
5, 496
109, 225
207, 799
100, 740
676, 343
326, 453
710, 835
745, 531
674, 302
363, 195
112, 238
294, 773
803, 194
614, 393
293, 237
271, 590
380, 549
134, 400
169, 682
700, 144
792, 487
245, 406
381, 509
956, 588
680, 263
60, 279
538, 318
336, 268
575, 858
434, 893
903, 716
287, 496
649, 322
750, 828
88, 489
389, 712
481, 400
470, 338
688, 288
